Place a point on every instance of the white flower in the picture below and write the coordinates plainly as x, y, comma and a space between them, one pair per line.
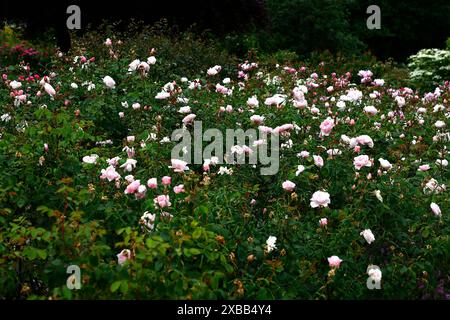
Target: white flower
436, 210
73, 85
151, 60
442, 162
300, 169
225, 170
370, 110
378, 82
90, 159
109, 82
162, 95
6, 117
148, 219
378, 195
368, 235
257, 119
374, 273
185, 109
252, 102
133, 65
214, 70
129, 165
271, 243
15, 84
385, 164
320, 198
439, 124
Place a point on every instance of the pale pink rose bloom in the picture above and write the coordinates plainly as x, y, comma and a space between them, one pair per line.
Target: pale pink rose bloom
257, 119
162, 201
121, 114
90, 159
45, 147
129, 178
162, 95
152, 183
435, 208
123, 256
318, 161
130, 139
178, 189
49, 89
179, 165
334, 261
113, 161
361, 161
109, 82
288, 185
283, 128
320, 199
166, 180
189, 118
141, 191
326, 126
110, 174
129, 165
304, 154
265, 129
368, 235
214, 70
365, 140
133, 187
323, 222
252, 102
108, 42
424, 167
385, 164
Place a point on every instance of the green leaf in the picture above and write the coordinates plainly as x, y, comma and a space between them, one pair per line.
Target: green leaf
115, 286
197, 233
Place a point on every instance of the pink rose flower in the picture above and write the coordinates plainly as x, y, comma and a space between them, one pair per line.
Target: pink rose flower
123, 256
320, 199
166, 180
152, 183
288, 185
436, 210
424, 167
361, 161
326, 126
110, 174
178, 189
323, 222
132, 187
179, 165
162, 201
318, 161
189, 118
334, 261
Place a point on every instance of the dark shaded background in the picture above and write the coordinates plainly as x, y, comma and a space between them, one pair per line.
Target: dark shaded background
298, 25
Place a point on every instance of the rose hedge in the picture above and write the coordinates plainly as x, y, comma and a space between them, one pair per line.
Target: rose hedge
213, 237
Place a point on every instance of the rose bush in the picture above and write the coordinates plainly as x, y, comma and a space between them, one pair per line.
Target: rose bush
88, 180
